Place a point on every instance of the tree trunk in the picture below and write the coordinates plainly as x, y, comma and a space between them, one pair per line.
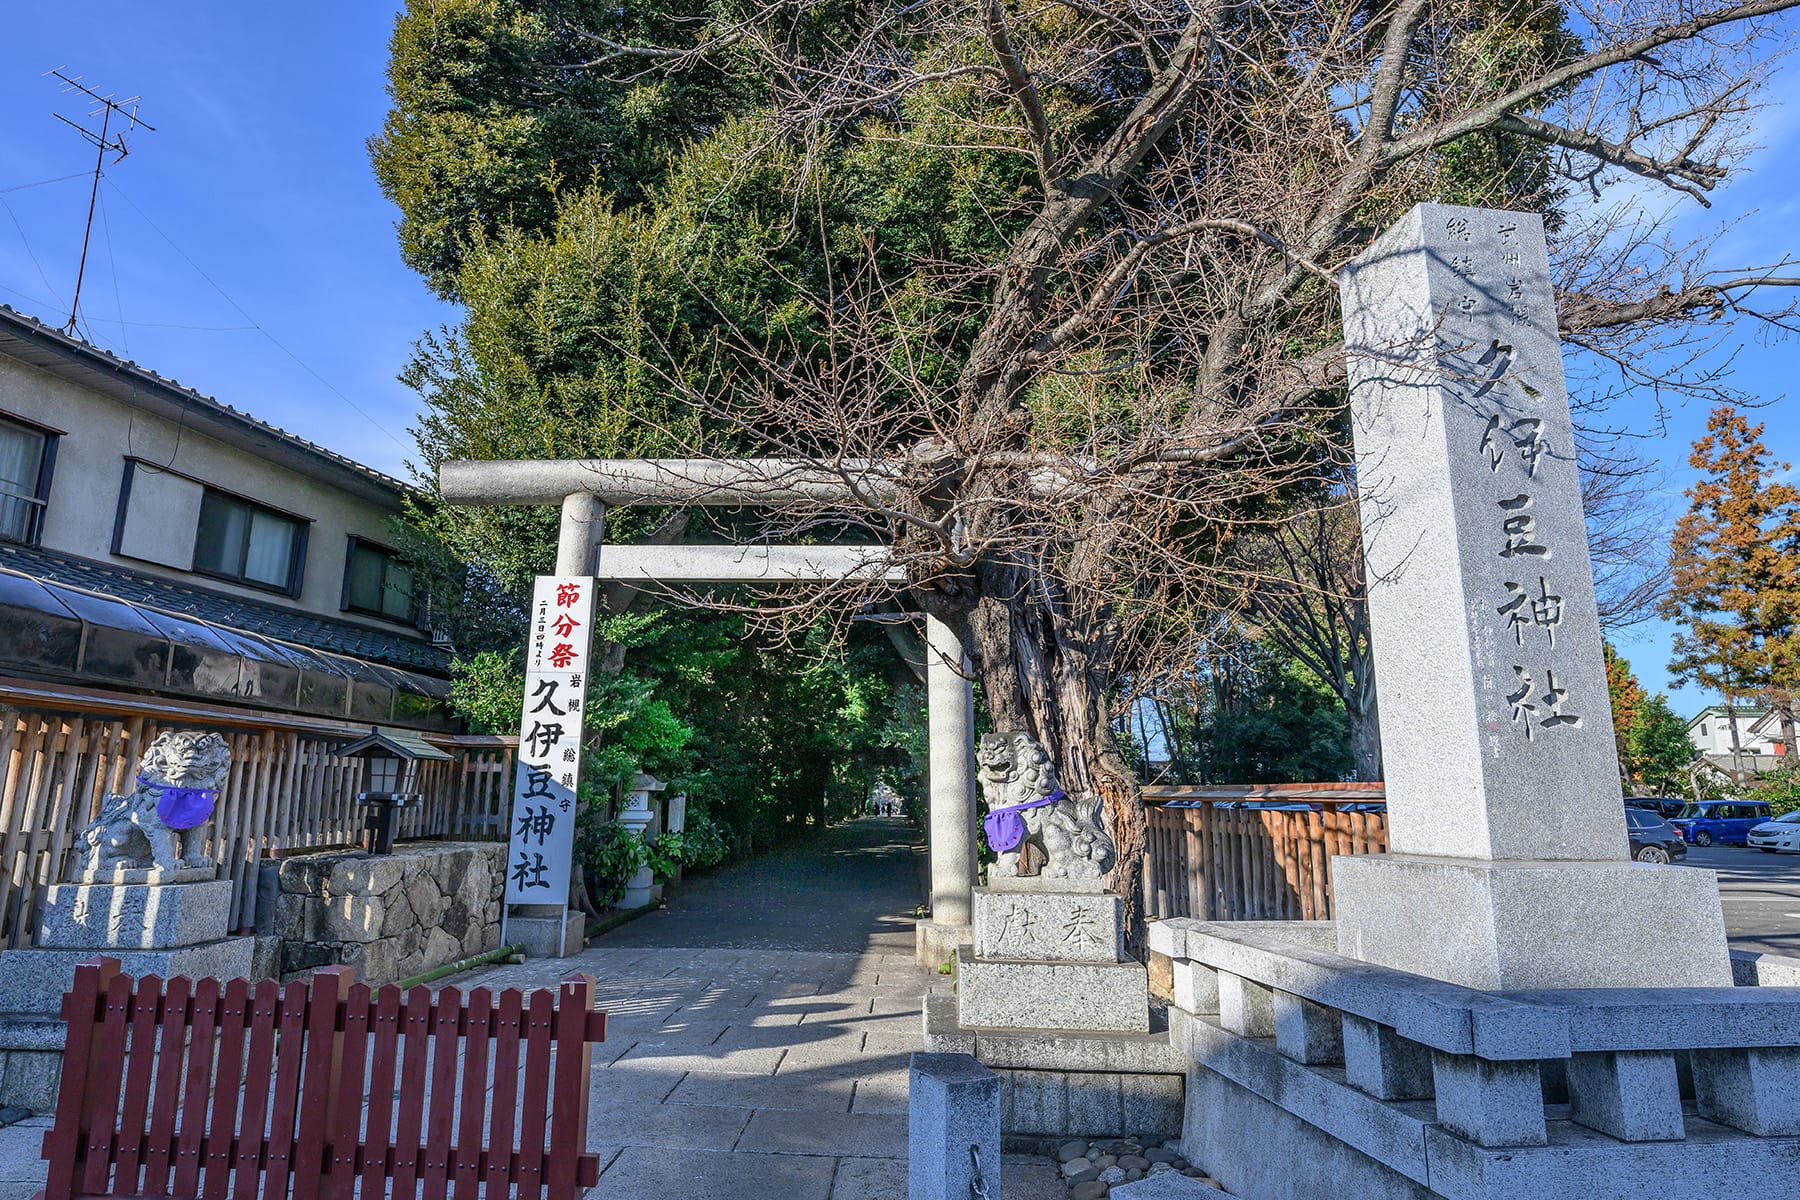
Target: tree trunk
1045, 670
1737, 750
1364, 712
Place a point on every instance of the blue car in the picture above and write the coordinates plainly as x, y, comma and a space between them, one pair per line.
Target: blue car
1728, 821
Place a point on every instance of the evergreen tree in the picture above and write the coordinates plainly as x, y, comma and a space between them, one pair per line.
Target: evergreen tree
1735, 572
1627, 697
1658, 749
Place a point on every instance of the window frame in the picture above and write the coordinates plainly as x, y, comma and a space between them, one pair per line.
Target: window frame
411, 619
296, 574
39, 500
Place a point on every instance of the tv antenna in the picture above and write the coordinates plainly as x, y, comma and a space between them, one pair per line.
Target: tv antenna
105, 142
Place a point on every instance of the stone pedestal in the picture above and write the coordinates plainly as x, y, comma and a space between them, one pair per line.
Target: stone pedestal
1506, 925
935, 942
1050, 960
162, 929
557, 935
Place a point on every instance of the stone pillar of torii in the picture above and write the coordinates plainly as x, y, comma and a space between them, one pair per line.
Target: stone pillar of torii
586, 488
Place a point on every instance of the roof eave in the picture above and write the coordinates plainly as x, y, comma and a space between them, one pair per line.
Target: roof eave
30, 341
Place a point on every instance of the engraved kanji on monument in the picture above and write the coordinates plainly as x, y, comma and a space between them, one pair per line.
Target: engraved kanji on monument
1509, 864
1476, 549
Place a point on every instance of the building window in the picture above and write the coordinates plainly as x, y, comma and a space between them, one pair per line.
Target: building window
247, 543
378, 583
25, 455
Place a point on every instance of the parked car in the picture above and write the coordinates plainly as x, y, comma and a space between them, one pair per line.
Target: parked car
1782, 835
1728, 821
1663, 806
1653, 840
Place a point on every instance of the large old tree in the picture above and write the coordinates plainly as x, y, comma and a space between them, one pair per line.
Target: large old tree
1063, 271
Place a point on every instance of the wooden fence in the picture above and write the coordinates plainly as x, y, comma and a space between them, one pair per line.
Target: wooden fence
63, 749
412, 1094
1248, 864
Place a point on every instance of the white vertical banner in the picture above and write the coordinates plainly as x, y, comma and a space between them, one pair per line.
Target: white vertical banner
549, 768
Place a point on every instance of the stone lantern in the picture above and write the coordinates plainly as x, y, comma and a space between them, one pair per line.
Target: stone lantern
638, 814
391, 759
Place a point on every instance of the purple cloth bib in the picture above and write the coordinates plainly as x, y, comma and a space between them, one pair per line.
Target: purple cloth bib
182, 808
1005, 828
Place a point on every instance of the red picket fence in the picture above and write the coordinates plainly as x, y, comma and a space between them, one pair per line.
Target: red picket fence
340, 1087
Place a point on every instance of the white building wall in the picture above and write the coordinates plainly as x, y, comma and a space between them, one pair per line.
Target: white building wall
1712, 735
103, 433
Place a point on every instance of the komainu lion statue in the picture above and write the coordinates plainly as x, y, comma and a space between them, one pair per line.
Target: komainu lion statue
129, 834
1035, 828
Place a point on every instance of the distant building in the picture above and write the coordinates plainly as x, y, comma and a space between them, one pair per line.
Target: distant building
155, 540
1757, 733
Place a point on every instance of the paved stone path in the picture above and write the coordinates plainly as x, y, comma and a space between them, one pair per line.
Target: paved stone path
759, 1030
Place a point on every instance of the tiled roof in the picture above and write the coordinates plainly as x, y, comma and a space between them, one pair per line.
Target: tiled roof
269, 620
13, 324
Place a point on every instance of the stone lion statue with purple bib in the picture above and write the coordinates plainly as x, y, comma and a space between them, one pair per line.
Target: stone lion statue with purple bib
1039, 831
161, 823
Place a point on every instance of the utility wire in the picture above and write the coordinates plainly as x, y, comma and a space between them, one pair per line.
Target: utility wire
254, 324
19, 187
32, 254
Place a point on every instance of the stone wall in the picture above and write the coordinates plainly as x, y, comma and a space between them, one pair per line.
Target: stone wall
390, 916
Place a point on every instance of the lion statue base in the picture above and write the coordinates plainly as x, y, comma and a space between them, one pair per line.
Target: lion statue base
1063, 844
129, 842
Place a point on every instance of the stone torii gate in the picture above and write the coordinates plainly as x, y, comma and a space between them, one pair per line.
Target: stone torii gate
586, 488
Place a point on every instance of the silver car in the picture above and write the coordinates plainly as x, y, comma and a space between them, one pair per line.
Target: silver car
1780, 836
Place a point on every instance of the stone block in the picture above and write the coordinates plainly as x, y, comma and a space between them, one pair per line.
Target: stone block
549, 937
1490, 1103
1052, 1049
117, 917
1532, 924
1095, 1104
1169, 1185
1633, 1095
1152, 1105
953, 1120
1034, 1103
1307, 1032
33, 981
30, 1079
1196, 986
1753, 969
1383, 1064
1246, 1007
935, 942
1060, 926
1011, 994
1757, 1091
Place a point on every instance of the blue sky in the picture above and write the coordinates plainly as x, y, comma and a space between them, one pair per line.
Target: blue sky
244, 249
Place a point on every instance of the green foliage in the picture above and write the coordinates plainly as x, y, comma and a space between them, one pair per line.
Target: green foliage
665, 854
491, 126
1658, 749
610, 855
1780, 787
1252, 715
703, 841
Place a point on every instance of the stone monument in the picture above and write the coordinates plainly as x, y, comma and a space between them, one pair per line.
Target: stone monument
1049, 949
139, 890
1508, 864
